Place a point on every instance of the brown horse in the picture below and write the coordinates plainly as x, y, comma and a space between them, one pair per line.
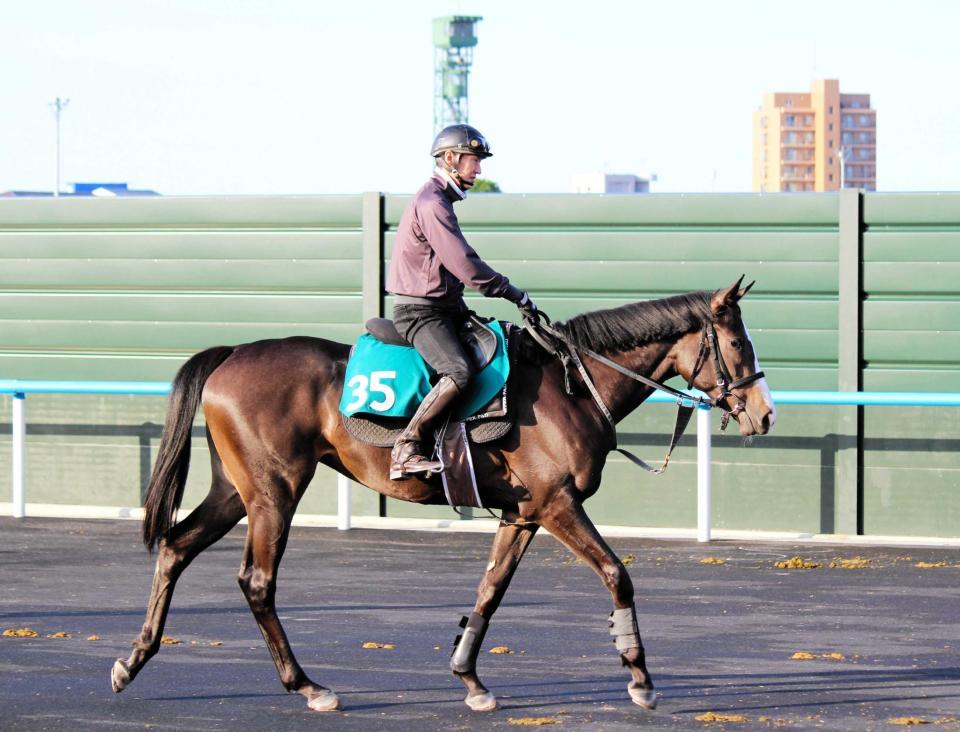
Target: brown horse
271, 414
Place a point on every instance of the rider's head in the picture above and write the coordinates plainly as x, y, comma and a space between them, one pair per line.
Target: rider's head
458, 149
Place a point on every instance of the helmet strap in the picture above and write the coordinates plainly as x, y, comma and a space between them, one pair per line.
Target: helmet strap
453, 172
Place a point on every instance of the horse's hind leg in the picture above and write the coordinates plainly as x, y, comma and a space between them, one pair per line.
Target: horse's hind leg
569, 523
267, 532
215, 516
509, 545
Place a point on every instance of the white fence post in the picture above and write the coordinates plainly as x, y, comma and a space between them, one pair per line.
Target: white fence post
343, 502
19, 457
703, 473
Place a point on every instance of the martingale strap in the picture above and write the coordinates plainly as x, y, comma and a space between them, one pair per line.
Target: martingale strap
684, 413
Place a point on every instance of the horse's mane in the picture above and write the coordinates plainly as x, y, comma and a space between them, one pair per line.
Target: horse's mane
629, 326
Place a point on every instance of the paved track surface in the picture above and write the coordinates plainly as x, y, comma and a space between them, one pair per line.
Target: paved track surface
719, 637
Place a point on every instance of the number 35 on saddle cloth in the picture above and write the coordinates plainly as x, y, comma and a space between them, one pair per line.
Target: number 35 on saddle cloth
386, 379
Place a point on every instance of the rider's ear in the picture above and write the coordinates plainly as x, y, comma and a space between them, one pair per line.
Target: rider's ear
728, 296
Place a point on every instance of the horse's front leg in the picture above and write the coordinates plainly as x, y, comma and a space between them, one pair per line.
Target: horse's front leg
511, 541
570, 524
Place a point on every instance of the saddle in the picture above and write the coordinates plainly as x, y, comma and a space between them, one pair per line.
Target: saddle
491, 347
476, 336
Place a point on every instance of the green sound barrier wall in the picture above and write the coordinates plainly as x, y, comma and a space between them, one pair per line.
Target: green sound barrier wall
854, 291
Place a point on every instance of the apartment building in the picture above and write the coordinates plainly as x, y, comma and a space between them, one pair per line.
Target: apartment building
819, 140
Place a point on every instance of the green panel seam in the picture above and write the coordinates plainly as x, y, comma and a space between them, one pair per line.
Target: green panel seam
372, 277
848, 515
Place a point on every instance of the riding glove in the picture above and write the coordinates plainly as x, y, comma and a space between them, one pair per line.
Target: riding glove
527, 306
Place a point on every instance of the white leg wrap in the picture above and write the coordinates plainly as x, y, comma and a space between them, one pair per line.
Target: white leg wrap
624, 629
467, 645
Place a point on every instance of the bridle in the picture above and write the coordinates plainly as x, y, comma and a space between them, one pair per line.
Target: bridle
709, 344
557, 344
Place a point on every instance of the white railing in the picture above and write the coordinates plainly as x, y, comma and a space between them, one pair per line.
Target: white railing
18, 389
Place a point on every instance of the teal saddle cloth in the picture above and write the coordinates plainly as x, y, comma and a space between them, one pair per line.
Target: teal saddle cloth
391, 381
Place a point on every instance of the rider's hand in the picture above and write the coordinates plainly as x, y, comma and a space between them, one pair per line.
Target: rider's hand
527, 307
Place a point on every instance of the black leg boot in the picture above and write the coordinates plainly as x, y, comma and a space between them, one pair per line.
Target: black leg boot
407, 457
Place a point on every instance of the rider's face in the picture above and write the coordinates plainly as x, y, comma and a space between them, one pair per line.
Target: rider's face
468, 168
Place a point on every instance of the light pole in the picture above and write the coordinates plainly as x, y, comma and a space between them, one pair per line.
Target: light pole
58, 106
842, 153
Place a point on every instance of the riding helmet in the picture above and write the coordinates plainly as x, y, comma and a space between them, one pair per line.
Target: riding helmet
461, 139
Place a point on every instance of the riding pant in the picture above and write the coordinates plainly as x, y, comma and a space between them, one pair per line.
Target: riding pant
432, 330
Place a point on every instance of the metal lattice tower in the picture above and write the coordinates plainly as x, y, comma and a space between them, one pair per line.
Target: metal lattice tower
454, 38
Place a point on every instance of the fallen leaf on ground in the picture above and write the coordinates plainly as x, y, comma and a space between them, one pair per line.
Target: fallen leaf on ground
930, 565
59, 634
714, 717
500, 649
371, 644
852, 563
216, 643
713, 560
804, 656
532, 721
628, 559
797, 563
907, 720
93, 637
20, 633
168, 641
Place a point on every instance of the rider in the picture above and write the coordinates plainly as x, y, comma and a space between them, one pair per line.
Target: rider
431, 263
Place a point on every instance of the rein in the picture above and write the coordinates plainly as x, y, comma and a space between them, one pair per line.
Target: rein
542, 332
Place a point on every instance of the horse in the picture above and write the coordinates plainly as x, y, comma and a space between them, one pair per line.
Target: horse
271, 411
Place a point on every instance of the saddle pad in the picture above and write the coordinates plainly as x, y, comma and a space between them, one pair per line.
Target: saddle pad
384, 431
391, 381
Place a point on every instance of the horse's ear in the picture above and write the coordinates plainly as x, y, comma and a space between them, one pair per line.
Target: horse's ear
727, 296
745, 290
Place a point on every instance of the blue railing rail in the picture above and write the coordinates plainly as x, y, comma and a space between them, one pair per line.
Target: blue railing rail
839, 398
19, 388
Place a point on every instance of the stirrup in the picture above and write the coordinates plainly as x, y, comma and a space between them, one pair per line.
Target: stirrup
413, 465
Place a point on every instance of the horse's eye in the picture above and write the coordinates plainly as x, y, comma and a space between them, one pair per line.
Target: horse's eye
736, 343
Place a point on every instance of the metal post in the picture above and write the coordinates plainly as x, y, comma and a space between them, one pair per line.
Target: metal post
703, 473
343, 502
58, 105
19, 455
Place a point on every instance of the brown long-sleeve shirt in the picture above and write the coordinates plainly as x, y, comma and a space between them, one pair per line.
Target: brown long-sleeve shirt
431, 257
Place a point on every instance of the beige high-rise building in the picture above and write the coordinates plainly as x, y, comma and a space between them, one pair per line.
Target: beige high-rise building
801, 139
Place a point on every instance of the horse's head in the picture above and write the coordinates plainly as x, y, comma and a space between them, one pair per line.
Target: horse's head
726, 366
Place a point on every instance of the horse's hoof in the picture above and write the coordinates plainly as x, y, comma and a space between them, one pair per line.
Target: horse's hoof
324, 701
485, 702
120, 676
646, 698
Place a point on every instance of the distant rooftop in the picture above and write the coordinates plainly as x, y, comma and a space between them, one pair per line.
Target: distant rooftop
612, 183
100, 190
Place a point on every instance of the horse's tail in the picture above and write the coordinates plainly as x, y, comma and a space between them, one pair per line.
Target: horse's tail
173, 460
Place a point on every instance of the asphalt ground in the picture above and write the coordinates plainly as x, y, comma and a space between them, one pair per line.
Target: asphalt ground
720, 637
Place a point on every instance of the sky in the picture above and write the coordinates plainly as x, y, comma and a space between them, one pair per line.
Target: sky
197, 97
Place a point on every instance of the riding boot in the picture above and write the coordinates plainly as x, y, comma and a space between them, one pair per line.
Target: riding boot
407, 455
